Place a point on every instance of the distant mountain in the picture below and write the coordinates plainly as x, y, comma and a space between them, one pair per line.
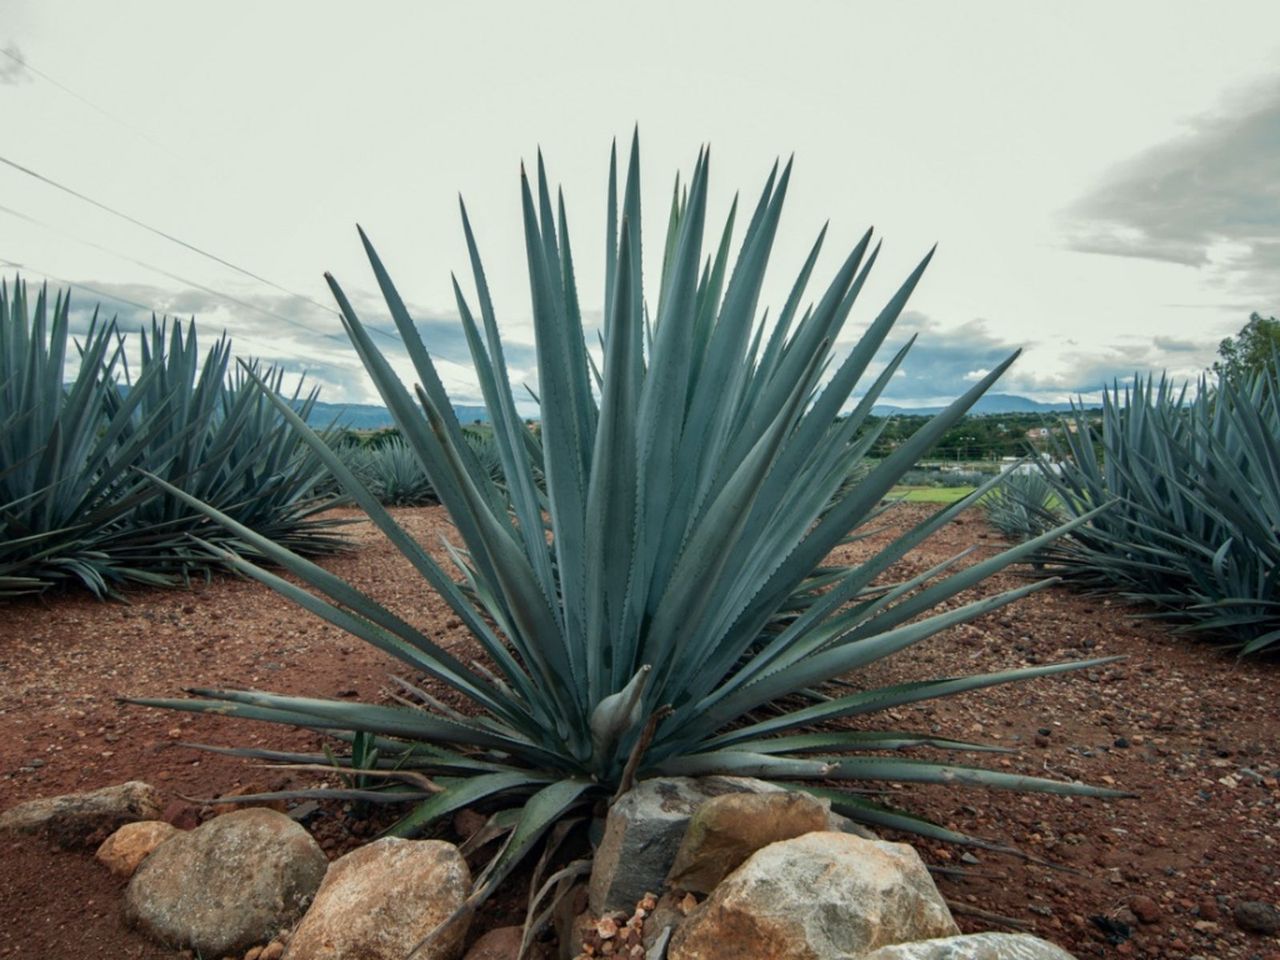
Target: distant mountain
372, 416
992, 403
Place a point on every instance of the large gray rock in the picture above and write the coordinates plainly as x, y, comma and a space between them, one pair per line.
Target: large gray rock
379, 901
725, 830
818, 897
643, 832
83, 819
975, 946
233, 882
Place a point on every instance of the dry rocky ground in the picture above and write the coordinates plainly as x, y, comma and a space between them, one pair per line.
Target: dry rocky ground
1193, 732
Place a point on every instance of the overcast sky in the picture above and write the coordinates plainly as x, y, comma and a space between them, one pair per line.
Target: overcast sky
1102, 178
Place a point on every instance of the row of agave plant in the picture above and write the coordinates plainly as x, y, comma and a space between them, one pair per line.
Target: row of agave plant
1194, 532
392, 472
642, 600
76, 506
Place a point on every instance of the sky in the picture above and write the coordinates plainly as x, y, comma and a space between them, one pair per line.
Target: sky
1101, 178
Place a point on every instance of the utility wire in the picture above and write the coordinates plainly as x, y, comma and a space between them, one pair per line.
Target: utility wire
23, 62
80, 286
204, 253
161, 233
172, 276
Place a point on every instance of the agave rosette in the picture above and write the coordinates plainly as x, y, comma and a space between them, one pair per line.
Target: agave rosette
638, 614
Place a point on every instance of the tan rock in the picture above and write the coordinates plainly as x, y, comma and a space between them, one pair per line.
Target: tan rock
124, 850
230, 884
815, 897
725, 830
379, 901
642, 833
83, 819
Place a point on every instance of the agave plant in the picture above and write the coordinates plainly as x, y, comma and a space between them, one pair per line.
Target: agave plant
1195, 534
1023, 505
65, 488
74, 505
215, 432
628, 620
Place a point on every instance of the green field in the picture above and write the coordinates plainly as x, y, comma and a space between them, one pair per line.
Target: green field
930, 494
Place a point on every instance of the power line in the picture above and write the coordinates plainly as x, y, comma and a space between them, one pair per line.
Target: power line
23, 62
172, 276
161, 233
81, 286
204, 253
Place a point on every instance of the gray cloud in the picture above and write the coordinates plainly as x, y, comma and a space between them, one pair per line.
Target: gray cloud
1209, 199
946, 361
297, 335
13, 68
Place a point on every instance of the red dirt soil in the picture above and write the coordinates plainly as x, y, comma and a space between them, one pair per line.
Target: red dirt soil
1189, 729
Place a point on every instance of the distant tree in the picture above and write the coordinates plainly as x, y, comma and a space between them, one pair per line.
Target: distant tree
1256, 346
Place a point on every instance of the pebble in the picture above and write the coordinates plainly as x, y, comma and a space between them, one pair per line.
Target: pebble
1255, 916
1144, 908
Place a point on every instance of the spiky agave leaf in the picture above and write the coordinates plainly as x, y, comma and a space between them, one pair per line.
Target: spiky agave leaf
1195, 535
695, 479
1023, 504
65, 486
73, 505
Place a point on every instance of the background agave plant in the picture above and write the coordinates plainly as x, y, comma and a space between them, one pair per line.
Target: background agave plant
74, 506
1195, 533
1023, 505
694, 483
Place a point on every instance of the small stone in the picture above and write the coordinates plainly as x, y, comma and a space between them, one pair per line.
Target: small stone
1256, 916
254, 953
123, 852
1144, 908
606, 928
272, 951
500, 943
181, 814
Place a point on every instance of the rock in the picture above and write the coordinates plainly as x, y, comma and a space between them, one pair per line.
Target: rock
643, 832
181, 814
501, 943
379, 901
272, 951
1258, 917
124, 850
564, 919
725, 830
837, 823
246, 790
819, 896
233, 882
666, 916
975, 946
1144, 908
575, 935
83, 819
